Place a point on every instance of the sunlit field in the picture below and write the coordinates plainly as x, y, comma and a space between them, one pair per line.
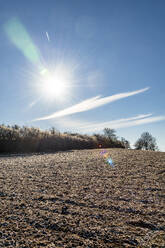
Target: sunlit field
82, 141
75, 199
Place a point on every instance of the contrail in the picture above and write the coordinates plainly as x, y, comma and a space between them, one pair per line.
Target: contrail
90, 103
47, 35
81, 126
130, 122
98, 126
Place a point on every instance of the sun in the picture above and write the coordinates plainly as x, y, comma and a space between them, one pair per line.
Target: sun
54, 83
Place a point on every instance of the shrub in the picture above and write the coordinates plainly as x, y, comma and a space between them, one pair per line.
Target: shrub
14, 139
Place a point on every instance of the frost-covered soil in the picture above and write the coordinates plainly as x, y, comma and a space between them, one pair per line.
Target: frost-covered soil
74, 199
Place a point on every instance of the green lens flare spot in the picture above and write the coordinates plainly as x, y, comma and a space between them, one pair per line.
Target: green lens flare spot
22, 40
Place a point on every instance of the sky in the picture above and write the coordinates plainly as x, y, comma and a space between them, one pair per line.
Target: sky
82, 65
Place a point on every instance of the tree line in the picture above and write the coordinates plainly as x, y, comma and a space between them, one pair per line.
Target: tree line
16, 139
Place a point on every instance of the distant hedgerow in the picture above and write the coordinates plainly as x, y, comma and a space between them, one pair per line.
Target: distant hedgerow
16, 139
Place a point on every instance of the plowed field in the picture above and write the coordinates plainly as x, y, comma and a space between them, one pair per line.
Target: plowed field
74, 199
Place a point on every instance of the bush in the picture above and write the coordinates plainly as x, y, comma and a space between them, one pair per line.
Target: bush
15, 139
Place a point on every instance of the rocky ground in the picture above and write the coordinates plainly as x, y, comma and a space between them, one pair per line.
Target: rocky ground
74, 199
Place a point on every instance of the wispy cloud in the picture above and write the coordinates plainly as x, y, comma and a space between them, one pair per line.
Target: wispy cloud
90, 103
114, 123
122, 123
144, 121
80, 125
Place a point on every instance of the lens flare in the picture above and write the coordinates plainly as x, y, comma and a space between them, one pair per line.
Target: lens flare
107, 158
110, 162
18, 35
50, 81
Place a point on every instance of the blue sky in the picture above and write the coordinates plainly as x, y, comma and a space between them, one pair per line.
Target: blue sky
84, 65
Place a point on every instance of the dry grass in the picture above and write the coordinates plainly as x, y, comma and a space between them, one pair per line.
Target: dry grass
74, 199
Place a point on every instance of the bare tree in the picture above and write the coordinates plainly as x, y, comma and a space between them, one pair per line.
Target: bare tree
110, 133
53, 131
125, 142
146, 142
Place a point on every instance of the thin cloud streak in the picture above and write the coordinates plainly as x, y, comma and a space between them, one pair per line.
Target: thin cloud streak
90, 103
123, 124
114, 122
79, 124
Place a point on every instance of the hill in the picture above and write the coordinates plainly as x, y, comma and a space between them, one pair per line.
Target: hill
75, 199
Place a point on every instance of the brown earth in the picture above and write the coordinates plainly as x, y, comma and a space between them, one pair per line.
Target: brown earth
74, 199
